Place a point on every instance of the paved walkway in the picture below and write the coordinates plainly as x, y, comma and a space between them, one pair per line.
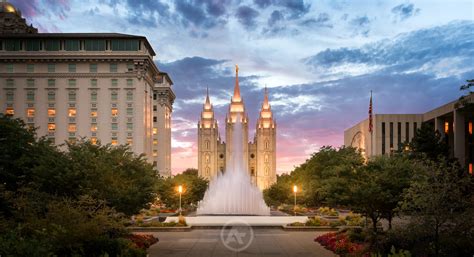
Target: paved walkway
266, 242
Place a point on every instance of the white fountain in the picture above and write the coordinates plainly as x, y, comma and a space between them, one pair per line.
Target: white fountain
232, 193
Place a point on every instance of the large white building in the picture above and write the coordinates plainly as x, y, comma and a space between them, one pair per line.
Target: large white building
391, 131
101, 86
259, 155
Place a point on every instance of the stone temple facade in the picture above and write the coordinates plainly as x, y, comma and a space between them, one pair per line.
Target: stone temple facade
259, 154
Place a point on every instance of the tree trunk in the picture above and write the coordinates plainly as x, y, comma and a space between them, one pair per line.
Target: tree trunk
389, 218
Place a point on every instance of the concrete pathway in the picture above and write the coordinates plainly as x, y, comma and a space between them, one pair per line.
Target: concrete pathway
266, 242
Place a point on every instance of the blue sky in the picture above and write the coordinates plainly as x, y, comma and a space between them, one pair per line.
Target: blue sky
320, 59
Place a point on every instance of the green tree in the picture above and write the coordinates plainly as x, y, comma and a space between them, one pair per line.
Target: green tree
193, 185
430, 143
441, 201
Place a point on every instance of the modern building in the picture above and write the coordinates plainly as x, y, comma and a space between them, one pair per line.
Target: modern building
101, 86
259, 155
390, 131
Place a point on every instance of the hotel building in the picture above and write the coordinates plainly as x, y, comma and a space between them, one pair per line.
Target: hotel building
101, 86
390, 131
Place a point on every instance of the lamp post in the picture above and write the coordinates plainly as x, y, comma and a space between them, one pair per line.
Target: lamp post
295, 189
180, 190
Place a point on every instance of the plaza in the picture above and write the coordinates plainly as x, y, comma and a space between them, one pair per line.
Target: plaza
267, 242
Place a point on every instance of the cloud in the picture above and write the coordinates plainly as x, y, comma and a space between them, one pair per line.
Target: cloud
275, 17
443, 49
361, 25
321, 21
200, 13
246, 16
404, 11
34, 8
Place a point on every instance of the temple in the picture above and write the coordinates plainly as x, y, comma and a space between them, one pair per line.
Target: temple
259, 154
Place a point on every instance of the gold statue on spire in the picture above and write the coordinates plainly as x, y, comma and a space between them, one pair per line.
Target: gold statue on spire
236, 68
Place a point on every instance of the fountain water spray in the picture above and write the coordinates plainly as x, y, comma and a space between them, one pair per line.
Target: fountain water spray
232, 193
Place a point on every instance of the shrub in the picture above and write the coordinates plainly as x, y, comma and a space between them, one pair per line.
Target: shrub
316, 221
354, 220
326, 211
297, 224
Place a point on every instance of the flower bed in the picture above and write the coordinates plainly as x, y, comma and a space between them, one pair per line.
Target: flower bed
340, 244
142, 241
162, 224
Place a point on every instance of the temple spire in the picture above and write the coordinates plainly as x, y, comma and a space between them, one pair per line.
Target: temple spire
236, 97
207, 105
266, 105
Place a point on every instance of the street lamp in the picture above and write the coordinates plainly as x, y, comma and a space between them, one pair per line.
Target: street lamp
180, 190
295, 189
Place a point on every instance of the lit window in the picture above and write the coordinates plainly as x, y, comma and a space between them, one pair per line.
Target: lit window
266, 171
470, 168
114, 82
94, 113
71, 112
155, 153
155, 141
30, 96
72, 67
446, 127
114, 96
10, 111
71, 127
130, 82
10, 83
51, 96
93, 67
129, 141
113, 67
208, 159
114, 112
470, 128
51, 67
51, 82
129, 126
30, 68
30, 112
93, 96
155, 131
114, 142
94, 140
129, 96
114, 126
94, 127
10, 96
51, 127
9, 67
93, 82
51, 112
72, 95
129, 111
30, 82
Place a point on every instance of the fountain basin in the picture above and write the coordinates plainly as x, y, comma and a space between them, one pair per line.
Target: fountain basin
254, 221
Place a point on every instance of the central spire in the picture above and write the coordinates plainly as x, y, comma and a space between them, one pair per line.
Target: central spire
207, 105
236, 97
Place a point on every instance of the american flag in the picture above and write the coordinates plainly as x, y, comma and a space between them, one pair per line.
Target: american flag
370, 114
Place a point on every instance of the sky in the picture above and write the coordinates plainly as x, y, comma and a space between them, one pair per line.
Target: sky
320, 59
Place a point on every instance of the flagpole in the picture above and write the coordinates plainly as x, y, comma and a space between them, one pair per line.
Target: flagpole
372, 128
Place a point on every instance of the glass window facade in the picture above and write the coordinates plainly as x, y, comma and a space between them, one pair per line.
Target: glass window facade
94, 45
33, 45
52, 45
93, 67
51, 67
113, 67
12, 44
125, 45
72, 45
